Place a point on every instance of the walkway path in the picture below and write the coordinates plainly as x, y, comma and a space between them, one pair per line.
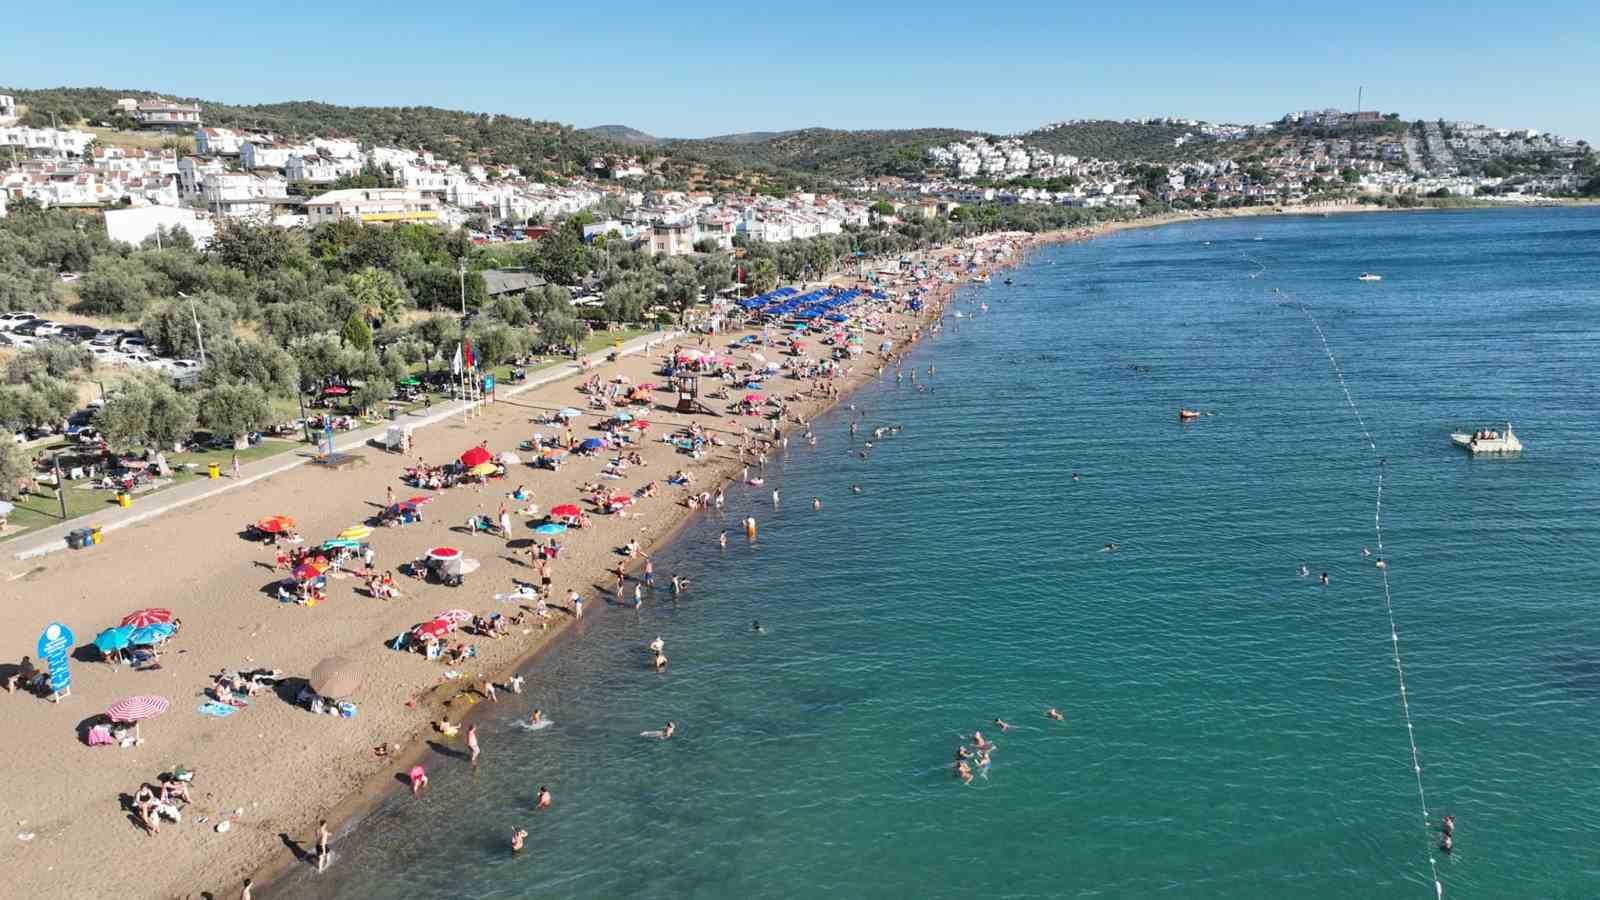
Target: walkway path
49, 540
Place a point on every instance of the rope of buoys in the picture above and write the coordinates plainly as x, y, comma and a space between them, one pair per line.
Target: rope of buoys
1383, 571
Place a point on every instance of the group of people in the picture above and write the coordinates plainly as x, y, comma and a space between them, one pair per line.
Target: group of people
979, 756
152, 804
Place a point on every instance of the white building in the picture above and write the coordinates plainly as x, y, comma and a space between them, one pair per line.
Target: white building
217, 141
372, 205
192, 172
8, 111
159, 112
262, 155
56, 142
318, 169
132, 226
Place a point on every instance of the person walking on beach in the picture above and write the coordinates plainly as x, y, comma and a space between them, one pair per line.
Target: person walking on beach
649, 573
472, 743
488, 690
323, 836
236, 466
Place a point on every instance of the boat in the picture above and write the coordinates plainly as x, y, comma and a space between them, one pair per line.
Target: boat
1488, 440
1368, 276
1188, 415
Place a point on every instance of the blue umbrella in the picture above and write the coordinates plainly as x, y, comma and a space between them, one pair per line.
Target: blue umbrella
592, 444
113, 639
152, 633
551, 528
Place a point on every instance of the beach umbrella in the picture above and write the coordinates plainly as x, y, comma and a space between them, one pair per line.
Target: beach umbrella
309, 570
151, 634
483, 469
276, 524
569, 413
409, 382
142, 617
419, 500
474, 457
338, 543
444, 553
453, 616
336, 677
754, 398
566, 509
137, 709
434, 629
509, 458
551, 528
621, 500
592, 444
335, 390
113, 639
356, 532
461, 566
640, 425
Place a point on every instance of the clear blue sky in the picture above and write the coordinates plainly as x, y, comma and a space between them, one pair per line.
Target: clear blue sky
681, 70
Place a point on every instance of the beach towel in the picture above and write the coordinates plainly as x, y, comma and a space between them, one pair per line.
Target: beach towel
216, 710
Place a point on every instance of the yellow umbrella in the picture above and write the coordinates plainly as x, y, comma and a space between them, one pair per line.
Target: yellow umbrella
487, 468
356, 532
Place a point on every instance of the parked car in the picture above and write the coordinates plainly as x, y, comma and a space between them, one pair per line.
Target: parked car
20, 341
31, 327
141, 358
11, 320
132, 343
106, 355
79, 333
179, 366
108, 338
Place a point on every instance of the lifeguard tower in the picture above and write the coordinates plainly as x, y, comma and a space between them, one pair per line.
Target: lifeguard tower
688, 393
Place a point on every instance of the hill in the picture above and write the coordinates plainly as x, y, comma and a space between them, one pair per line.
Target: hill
456, 135
1109, 140
622, 134
824, 152
748, 137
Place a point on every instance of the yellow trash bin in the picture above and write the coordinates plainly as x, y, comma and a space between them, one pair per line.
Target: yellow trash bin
213, 471
124, 500
94, 534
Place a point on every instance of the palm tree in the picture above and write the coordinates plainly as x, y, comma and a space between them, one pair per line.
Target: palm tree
379, 296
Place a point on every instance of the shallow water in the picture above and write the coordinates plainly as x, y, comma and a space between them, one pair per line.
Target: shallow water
1232, 730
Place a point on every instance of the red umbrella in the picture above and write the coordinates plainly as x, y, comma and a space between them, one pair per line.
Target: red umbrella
640, 425
335, 390
434, 629
566, 509
142, 617
419, 500
621, 500
475, 456
276, 524
306, 571
754, 398
444, 553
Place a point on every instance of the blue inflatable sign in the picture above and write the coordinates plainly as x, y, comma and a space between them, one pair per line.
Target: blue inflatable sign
54, 645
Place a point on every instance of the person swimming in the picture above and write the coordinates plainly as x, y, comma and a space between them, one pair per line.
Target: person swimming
1365, 552
1324, 579
518, 839
756, 627
1003, 725
1304, 570
537, 718
1109, 548
1448, 825
855, 488
667, 732
1055, 714
964, 772
657, 645
1074, 476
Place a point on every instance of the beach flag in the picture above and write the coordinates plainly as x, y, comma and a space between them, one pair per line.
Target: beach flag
455, 364
472, 361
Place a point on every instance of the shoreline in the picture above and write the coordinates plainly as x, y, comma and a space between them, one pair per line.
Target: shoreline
380, 785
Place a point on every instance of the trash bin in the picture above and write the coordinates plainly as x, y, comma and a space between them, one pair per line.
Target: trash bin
94, 535
393, 413
213, 471
124, 500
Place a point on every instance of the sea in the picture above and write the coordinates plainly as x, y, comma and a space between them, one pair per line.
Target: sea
1231, 728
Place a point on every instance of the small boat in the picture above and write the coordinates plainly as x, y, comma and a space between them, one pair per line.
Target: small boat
1487, 440
1188, 415
1368, 276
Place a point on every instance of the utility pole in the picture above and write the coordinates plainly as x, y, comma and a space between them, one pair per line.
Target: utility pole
198, 339
462, 271
61, 485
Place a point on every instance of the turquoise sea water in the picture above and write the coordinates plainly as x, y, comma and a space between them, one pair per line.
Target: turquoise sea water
1233, 730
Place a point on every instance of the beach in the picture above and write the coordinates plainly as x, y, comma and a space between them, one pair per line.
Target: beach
272, 769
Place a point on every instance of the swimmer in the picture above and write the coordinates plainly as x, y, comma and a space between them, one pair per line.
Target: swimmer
518, 838
964, 772
963, 753
537, 718
1304, 571
774, 496
1324, 579
657, 645
1448, 845
544, 798
1003, 725
756, 627
722, 539
1055, 714
1449, 825
979, 742
661, 661
983, 759
1381, 564
1109, 548
1074, 476
855, 488
1365, 552
669, 730
816, 503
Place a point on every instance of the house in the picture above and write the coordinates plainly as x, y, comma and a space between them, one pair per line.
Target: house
192, 172
53, 142
372, 205
133, 225
159, 112
719, 228
256, 154
675, 239
319, 169
217, 141
509, 282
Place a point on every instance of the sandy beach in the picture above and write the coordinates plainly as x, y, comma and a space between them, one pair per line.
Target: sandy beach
273, 769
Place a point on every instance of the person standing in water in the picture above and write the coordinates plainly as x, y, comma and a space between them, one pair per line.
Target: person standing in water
722, 539
323, 836
472, 743
518, 839
544, 798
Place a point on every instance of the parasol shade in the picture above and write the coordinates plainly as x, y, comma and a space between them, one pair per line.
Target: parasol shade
434, 629
142, 617
453, 616
137, 709
551, 528
566, 509
336, 677
276, 524
113, 639
444, 553
484, 468
475, 456
151, 634
460, 566
356, 532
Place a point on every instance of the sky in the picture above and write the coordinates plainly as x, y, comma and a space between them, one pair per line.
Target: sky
693, 69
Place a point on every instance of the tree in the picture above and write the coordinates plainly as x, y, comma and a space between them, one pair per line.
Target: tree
883, 209
234, 410
14, 466
51, 359
145, 412
256, 250
494, 343
36, 402
171, 325
1350, 175
115, 286
379, 295
562, 257
356, 333
763, 276
558, 328
437, 335
252, 362
511, 311
284, 322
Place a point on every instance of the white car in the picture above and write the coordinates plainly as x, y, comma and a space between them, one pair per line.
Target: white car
107, 339
180, 366
132, 344
107, 356
20, 341
141, 358
11, 320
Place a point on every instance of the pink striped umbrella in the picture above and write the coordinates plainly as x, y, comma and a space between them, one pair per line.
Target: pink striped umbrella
454, 616
134, 709
139, 618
